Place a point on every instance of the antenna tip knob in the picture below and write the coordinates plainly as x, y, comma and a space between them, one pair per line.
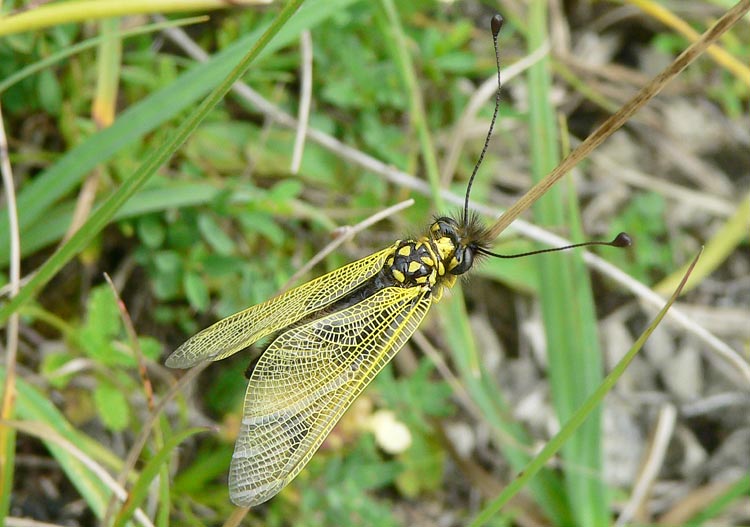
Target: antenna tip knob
622, 240
497, 24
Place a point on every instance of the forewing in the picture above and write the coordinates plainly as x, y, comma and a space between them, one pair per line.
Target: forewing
236, 332
306, 379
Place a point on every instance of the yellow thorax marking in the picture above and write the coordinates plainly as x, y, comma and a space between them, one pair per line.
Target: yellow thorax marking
445, 248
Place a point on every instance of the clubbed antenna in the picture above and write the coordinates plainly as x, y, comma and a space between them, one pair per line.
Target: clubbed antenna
496, 24
621, 240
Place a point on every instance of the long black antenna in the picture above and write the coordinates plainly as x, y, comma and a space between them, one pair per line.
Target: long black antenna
496, 24
621, 240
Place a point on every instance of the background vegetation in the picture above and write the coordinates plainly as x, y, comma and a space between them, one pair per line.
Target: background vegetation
227, 221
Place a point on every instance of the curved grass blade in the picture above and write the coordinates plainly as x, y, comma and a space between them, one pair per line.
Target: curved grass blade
44, 16
142, 486
738, 489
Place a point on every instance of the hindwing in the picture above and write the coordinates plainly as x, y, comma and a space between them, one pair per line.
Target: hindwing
305, 381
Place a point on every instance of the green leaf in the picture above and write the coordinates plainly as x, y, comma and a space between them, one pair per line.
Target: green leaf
97, 346
50, 95
263, 224
228, 389
216, 265
645, 214
196, 291
168, 280
423, 466
112, 406
103, 317
285, 190
102, 326
416, 397
457, 62
51, 363
215, 235
167, 261
209, 463
151, 231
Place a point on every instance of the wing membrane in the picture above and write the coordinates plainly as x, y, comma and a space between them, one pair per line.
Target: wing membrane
231, 334
307, 378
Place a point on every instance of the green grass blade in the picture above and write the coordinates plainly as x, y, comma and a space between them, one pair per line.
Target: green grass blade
578, 418
109, 63
154, 466
741, 488
53, 14
575, 364
159, 156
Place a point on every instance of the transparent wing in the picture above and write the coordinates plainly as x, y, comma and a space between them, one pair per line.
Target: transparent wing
306, 379
238, 331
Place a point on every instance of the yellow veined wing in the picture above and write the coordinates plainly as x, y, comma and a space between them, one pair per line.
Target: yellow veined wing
305, 381
333, 339
238, 331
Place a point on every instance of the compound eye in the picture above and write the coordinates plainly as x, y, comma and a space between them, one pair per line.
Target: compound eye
446, 228
465, 258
